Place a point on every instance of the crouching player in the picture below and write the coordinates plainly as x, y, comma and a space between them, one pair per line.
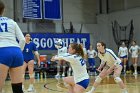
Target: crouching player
80, 80
109, 63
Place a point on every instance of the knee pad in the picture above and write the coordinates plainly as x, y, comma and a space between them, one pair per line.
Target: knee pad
117, 79
17, 88
98, 79
31, 75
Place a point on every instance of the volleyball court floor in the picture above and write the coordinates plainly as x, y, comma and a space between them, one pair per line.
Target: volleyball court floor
56, 85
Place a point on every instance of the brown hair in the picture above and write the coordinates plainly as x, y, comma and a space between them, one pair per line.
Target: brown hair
103, 44
2, 6
78, 49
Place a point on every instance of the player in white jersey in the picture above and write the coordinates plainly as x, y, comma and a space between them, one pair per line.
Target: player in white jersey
79, 82
11, 58
91, 60
134, 51
61, 52
123, 54
109, 63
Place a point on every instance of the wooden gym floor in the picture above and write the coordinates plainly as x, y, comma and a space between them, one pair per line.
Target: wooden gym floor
56, 85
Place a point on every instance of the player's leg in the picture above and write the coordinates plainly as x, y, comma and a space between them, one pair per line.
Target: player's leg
64, 68
23, 75
90, 66
124, 65
81, 86
16, 79
3, 74
98, 80
125, 62
135, 65
118, 80
31, 75
69, 83
69, 70
58, 69
16, 70
94, 67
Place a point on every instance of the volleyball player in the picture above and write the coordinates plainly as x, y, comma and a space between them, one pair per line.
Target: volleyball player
11, 58
61, 52
28, 54
134, 51
91, 60
80, 80
123, 54
109, 63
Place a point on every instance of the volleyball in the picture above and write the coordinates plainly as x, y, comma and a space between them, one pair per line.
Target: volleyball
58, 43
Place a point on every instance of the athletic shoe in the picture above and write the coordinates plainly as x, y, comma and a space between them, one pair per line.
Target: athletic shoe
31, 88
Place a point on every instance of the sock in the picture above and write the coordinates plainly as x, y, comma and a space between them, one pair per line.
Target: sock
135, 67
124, 68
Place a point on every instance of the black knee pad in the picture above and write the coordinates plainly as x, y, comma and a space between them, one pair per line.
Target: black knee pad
17, 88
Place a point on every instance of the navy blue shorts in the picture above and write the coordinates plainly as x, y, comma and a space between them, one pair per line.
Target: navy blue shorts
27, 61
124, 56
84, 83
91, 61
11, 56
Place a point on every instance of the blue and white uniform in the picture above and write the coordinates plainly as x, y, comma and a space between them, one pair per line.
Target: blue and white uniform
123, 52
28, 51
78, 65
91, 55
62, 51
10, 49
134, 50
109, 58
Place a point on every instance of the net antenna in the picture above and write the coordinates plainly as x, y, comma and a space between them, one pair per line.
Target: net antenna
122, 33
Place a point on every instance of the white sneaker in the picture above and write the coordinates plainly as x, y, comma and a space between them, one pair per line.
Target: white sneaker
57, 75
31, 88
135, 73
63, 75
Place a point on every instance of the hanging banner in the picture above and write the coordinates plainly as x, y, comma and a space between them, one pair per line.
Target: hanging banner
45, 41
32, 9
52, 9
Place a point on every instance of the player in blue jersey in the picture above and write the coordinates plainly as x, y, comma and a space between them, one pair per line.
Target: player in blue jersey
11, 58
80, 79
28, 54
109, 63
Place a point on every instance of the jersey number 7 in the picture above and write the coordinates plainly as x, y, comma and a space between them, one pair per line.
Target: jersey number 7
3, 27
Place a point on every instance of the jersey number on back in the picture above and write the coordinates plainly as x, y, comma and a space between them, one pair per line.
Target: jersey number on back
3, 27
82, 61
